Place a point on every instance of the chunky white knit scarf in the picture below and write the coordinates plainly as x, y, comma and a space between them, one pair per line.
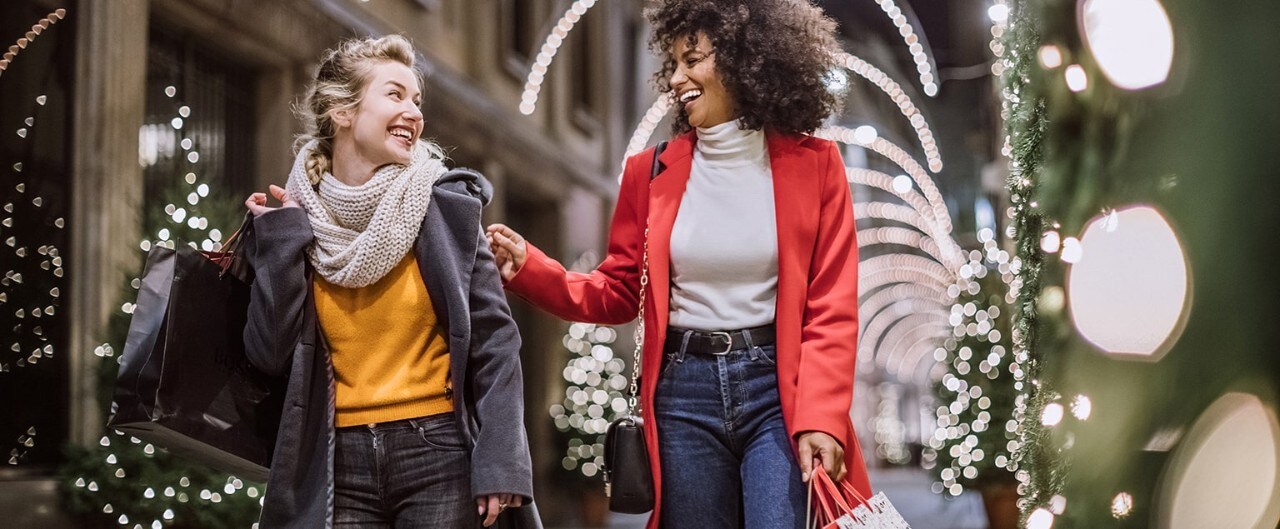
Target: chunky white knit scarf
362, 232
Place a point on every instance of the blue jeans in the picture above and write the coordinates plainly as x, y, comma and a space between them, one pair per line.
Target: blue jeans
414, 473
726, 457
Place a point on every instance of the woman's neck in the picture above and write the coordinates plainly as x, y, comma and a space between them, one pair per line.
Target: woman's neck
729, 143
348, 165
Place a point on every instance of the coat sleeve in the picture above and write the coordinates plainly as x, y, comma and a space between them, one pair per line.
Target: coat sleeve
610, 293
829, 333
500, 462
274, 250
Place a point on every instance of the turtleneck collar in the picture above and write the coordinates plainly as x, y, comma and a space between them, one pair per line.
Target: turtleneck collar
729, 143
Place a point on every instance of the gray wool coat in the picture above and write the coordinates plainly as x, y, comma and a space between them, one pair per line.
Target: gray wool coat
283, 338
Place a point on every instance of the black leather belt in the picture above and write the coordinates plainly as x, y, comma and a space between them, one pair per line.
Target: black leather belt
717, 342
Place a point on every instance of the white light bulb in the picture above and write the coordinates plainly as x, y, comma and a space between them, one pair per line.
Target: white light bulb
998, 13
1129, 297
1132, 40
1040, 519
1050, 56
1052, 414
902, 184
1050, 242
865, 134
1072, 250
1076, 78
1081, 407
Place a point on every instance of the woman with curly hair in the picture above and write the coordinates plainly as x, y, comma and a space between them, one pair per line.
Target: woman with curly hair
751, 303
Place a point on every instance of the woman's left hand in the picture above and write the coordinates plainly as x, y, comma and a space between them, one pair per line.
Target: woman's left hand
492, 505
818, 446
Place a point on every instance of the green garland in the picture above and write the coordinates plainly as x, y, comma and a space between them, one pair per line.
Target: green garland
1037, 466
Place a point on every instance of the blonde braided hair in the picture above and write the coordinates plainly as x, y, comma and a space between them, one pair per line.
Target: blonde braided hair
339, 84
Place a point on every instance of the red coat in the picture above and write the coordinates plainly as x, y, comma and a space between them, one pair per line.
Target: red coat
817, 307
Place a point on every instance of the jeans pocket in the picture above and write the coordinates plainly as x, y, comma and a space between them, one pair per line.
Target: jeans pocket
441, 432
669, 363
765, 355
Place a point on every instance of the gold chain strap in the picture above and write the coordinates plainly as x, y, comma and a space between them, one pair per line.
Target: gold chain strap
639, 334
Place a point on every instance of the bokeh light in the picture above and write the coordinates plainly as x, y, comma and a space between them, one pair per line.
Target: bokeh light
1132, 40
1129, 292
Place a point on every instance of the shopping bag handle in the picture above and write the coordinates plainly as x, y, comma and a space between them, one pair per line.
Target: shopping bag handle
831, 503
851, 491
231, 248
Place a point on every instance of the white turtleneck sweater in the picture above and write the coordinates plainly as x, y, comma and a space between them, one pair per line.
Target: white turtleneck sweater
724, 245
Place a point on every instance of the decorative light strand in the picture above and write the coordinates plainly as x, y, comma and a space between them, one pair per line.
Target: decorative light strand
899, 97
30, 37
920, 206
865, 137
924, 63
900, 268
906, 331
902, 237
934, 217
551, 45
547, 54
891, 212
652, 117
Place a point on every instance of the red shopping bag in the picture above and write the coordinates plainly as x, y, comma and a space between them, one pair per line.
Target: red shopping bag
840, 506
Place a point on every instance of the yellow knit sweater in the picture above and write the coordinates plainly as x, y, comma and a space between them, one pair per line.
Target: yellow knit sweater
390, 355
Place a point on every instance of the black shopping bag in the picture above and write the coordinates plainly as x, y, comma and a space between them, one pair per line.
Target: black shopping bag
184, 382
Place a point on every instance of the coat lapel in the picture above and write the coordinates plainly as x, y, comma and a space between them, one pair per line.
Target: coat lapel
446, 253
665, 193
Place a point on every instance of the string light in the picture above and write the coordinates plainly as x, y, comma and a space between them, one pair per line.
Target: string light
28, 38
922, 60
38, 298
652, 117
905, 106
547, 54
1050, 56
920, 208
866, 137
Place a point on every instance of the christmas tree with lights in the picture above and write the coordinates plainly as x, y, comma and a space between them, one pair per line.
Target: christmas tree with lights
123, 481
593, 398
973, 441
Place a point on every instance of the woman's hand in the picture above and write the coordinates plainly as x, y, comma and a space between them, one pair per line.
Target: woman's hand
818, 447
509, 249
257, 202
492, 505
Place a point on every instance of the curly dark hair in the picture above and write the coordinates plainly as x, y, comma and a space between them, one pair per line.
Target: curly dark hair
774, 57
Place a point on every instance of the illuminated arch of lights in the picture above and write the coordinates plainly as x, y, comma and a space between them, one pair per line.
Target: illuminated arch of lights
29, 37
912, 285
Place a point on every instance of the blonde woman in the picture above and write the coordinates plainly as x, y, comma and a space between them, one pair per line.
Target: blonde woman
377, 296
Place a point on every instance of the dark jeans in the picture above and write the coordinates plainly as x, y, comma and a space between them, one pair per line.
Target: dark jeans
726, 457
414, 473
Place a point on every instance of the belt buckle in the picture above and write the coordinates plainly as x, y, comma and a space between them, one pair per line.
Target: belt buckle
728, 338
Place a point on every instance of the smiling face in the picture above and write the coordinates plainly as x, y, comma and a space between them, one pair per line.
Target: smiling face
698, 85
388, 121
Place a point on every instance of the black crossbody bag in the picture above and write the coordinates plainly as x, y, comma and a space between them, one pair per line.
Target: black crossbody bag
628, 479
